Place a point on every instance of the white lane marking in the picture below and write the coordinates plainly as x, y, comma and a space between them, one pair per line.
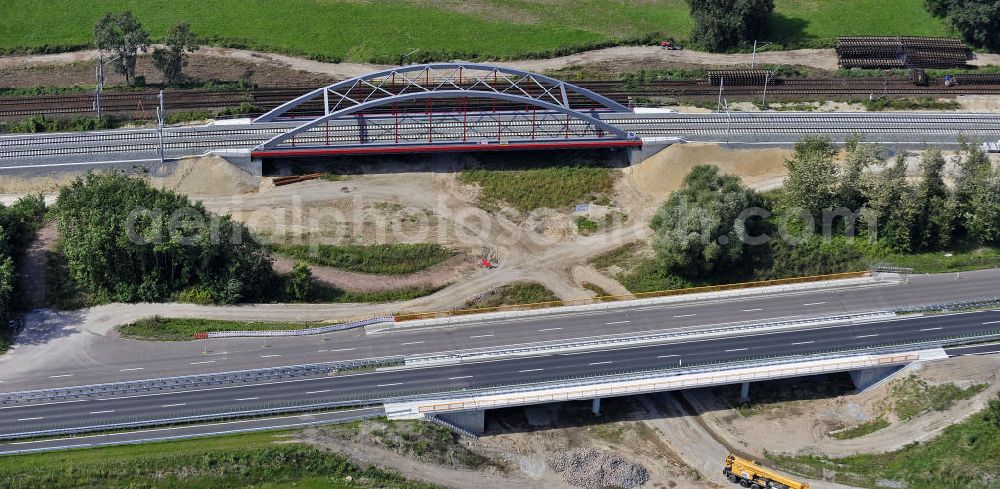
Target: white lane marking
412, 343
751, 310
103, 412
179, 404
271, 356
172, 428
667, 356
321, 351
931, 329
600, 363
991, 322
131, 369
814, 303
618, 322
460, 377
389, 385
318, 392
246, 399
866, 335
59, 376
32, 419
201, 363
684, 315
803, 343
481, 336
549, 329
530, 370
735, 349
343, 349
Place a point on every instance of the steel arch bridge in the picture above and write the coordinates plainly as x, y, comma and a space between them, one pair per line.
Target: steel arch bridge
444, 107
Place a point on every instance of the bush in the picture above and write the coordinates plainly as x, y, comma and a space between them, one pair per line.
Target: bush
724, 25
699, 229
394, 259
18, 224
299, 284
977, 20
126, 241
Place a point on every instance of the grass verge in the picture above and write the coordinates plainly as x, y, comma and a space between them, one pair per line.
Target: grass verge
383, 259
962, 456
862, 429
263, 460
912, 396
513, 294
551, 187
182, 329
880, 104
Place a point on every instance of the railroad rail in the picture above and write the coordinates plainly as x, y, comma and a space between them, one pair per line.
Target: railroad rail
143, 104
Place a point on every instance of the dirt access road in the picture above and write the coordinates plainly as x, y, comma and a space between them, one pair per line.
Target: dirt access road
276, 69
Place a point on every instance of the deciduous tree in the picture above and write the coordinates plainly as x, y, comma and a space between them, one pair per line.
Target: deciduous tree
121, 35
172, 59
724, 25
698, 229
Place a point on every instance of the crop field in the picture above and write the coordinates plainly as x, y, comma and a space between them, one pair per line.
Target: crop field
394, 31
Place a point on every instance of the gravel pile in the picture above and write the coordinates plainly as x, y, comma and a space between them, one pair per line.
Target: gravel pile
595, 469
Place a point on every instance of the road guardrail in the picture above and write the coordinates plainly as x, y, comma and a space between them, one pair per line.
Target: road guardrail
633, 338
188, 381
296, 332
582, 379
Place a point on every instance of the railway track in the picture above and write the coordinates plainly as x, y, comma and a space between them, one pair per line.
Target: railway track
143, 104
178, 140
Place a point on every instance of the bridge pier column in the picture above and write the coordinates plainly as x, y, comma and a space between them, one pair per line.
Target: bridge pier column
256, 167
865, 378
596, 407
471, 421
745, 392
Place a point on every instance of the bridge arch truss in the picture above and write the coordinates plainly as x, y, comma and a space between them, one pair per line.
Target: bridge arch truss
453, 105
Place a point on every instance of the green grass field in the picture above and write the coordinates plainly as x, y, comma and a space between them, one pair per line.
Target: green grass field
485, 29
391, 259
962, 456
550, 187
260, 460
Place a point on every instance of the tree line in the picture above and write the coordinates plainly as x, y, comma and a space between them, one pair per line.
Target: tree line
978, 21
123, 37
832, 195
126, 241
727, 25
18, 224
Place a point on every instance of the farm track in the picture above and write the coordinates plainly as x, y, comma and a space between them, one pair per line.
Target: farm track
142, 104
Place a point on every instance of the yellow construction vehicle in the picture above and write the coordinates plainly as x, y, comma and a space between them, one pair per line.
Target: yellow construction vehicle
747, 473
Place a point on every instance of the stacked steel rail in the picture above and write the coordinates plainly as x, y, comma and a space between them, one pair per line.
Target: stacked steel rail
876, 52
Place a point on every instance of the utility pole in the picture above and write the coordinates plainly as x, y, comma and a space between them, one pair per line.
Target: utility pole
753, 57
722, 83
160, 116
100, 85
763, 100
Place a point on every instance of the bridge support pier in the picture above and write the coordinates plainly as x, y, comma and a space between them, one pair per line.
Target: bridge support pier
596, 406
866, 378
745, 392
638, 155
472, 421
